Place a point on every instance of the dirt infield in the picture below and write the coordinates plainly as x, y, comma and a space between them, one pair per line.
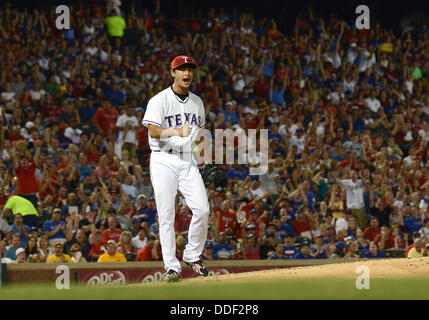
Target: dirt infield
384, 268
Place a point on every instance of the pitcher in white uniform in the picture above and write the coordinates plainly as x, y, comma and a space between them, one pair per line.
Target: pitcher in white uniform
173, 118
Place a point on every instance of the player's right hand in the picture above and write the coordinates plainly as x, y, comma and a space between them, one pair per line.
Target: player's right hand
185, 130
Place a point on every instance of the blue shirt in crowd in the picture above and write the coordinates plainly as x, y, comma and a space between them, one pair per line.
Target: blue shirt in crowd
51, 226
222, 251
15, 230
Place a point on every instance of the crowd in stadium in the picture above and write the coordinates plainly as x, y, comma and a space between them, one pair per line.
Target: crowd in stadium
347, 112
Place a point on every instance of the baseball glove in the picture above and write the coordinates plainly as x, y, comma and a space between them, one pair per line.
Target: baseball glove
208, 172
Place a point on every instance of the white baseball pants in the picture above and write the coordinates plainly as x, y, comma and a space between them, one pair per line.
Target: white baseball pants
170, 173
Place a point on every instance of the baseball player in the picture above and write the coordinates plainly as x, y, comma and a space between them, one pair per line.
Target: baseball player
173, 118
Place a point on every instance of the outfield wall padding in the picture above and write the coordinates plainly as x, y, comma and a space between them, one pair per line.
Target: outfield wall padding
98, 274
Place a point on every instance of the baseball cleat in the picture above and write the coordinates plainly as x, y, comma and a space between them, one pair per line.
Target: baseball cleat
199, 267
172, 276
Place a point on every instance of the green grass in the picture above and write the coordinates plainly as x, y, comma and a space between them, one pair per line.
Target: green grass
412, 288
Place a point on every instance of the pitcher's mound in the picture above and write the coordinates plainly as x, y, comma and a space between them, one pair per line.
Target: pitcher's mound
383, 268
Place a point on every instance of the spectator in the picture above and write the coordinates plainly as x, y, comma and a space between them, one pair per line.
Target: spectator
21, 255
144, 186
3, 252
343, 222
151, 252
140, 240
317, 250
267, 247
97, 245
72, 132
20, 229
183, 220
304, 251
221, 249
352, 229
76, 254
113, 232
25, 168
31, 249
271, 231
251, 251
289, 247
382, 211
127, 125
385, 239
124, 212
58, 254
44, 250
5, 229
419, 250
126, 247
372, 230
424, 232
11, 251
352, 251
341, 249
111, 254
180, 246
373, 251
282, 229
115, 25
278, 253
414, 223
17, 204
207, 252
150, 212
55, 228
224, 215
300, 225
363, 244
236, 246
80, 240
355, 189
105, 119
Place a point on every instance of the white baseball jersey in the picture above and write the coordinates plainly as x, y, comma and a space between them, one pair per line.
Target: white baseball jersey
166, 110
171, 172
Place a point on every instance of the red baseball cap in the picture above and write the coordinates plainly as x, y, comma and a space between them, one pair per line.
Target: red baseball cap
181, 60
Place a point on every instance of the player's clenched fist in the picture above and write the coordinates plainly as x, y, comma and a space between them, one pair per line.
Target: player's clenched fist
185, 130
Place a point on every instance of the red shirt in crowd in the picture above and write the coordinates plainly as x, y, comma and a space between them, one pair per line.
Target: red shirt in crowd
51, 110
112, 234
93, 156
48, 191
145, 254
261, 88
181, 224
142, 139
252, 253
13, 138
389, 243
27, 182
300, 226
97, 248
371, 233
225, 218
106, 119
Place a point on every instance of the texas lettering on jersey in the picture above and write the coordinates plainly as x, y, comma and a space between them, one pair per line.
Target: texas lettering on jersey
176, 120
